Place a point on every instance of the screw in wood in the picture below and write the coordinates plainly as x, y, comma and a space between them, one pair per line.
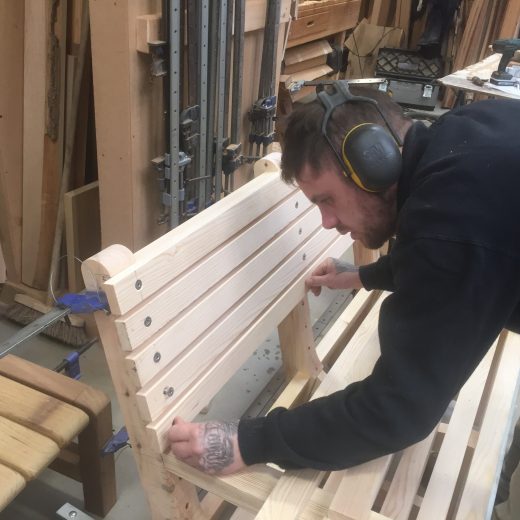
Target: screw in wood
168, 391
157, 357
138, 284
147, 321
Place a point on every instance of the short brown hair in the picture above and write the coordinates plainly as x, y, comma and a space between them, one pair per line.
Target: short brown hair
302, 140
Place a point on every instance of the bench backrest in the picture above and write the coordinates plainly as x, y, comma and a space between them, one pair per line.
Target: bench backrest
190, 308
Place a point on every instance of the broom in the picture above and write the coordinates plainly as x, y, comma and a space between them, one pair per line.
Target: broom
25, 311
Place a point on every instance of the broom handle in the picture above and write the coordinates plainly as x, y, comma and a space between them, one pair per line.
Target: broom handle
70, 137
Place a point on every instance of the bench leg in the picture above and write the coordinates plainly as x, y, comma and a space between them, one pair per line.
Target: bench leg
169, 497
97, 472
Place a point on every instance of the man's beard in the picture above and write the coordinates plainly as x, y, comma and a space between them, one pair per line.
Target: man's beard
381, 227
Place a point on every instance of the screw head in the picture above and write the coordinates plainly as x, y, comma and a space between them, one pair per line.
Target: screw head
168, 391
157, 357
300, 231
73, 514
304, 257
138, 284
147, 321
296, 205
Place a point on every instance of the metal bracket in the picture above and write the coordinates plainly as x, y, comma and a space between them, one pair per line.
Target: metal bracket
70, 512
427, 91
159, 52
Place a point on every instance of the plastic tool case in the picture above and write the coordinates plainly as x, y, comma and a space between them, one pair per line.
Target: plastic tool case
410, 77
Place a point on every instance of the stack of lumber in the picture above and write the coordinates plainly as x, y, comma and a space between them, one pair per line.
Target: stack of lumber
39, 54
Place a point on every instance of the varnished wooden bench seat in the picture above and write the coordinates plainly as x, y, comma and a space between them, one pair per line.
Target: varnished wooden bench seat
41, 414
189, 309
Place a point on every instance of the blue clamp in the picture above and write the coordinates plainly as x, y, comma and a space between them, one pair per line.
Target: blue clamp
84, 303
72, 369
117, 441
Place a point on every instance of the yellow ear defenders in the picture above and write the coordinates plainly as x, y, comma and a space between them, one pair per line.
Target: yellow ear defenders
370, 156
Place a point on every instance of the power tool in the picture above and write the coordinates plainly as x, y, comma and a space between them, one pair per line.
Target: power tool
507, 48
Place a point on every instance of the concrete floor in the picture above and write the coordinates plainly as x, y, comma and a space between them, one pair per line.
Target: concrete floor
43, 497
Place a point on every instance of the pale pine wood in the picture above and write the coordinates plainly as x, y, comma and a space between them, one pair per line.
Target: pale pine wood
478, 497
293, 391
214, 266
25, 450
12, 484
211, 347
290, 495
39, 412
440, 489
200, 393
356, 495
161, 261
297, 342
405, 483
334, 380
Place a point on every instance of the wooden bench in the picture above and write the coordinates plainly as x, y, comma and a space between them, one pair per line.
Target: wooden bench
41, 414
189, 309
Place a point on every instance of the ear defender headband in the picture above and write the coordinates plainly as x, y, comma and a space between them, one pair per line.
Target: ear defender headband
369, 156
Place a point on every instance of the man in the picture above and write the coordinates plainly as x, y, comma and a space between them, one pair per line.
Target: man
454, 274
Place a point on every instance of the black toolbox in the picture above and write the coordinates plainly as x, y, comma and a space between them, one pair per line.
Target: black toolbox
411, 79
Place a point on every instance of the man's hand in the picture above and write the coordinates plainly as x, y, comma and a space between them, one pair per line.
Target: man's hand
211, 447
334, 274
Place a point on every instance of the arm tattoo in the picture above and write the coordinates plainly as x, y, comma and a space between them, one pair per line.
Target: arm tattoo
217, 441
344, 267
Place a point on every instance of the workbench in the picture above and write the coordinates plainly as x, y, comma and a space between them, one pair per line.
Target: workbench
461, 79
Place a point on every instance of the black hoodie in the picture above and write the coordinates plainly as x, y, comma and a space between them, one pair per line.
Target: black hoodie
454, 274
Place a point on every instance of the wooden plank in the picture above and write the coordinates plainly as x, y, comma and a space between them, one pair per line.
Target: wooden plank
201, 392
83, 230
296, 339
214, 266
24, 450
407, 479
477, 499
438, 496
189, 368
40, 412
162, 261
11, 134
402, 18
12, 484
290, 495
44, 80
2, 265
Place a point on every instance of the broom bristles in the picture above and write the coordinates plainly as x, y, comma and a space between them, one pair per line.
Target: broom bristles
60, 330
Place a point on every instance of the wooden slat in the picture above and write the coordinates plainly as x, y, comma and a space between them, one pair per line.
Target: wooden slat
358, 490
201, 392
438, 496
407, 478
288, 498
189, 367
216, 305
167, 257
11, 484
247, 489
40, 412
478, 497
25, 450
216, 265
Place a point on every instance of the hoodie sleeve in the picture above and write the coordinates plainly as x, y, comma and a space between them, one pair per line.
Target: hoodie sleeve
451, 300
378, 275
